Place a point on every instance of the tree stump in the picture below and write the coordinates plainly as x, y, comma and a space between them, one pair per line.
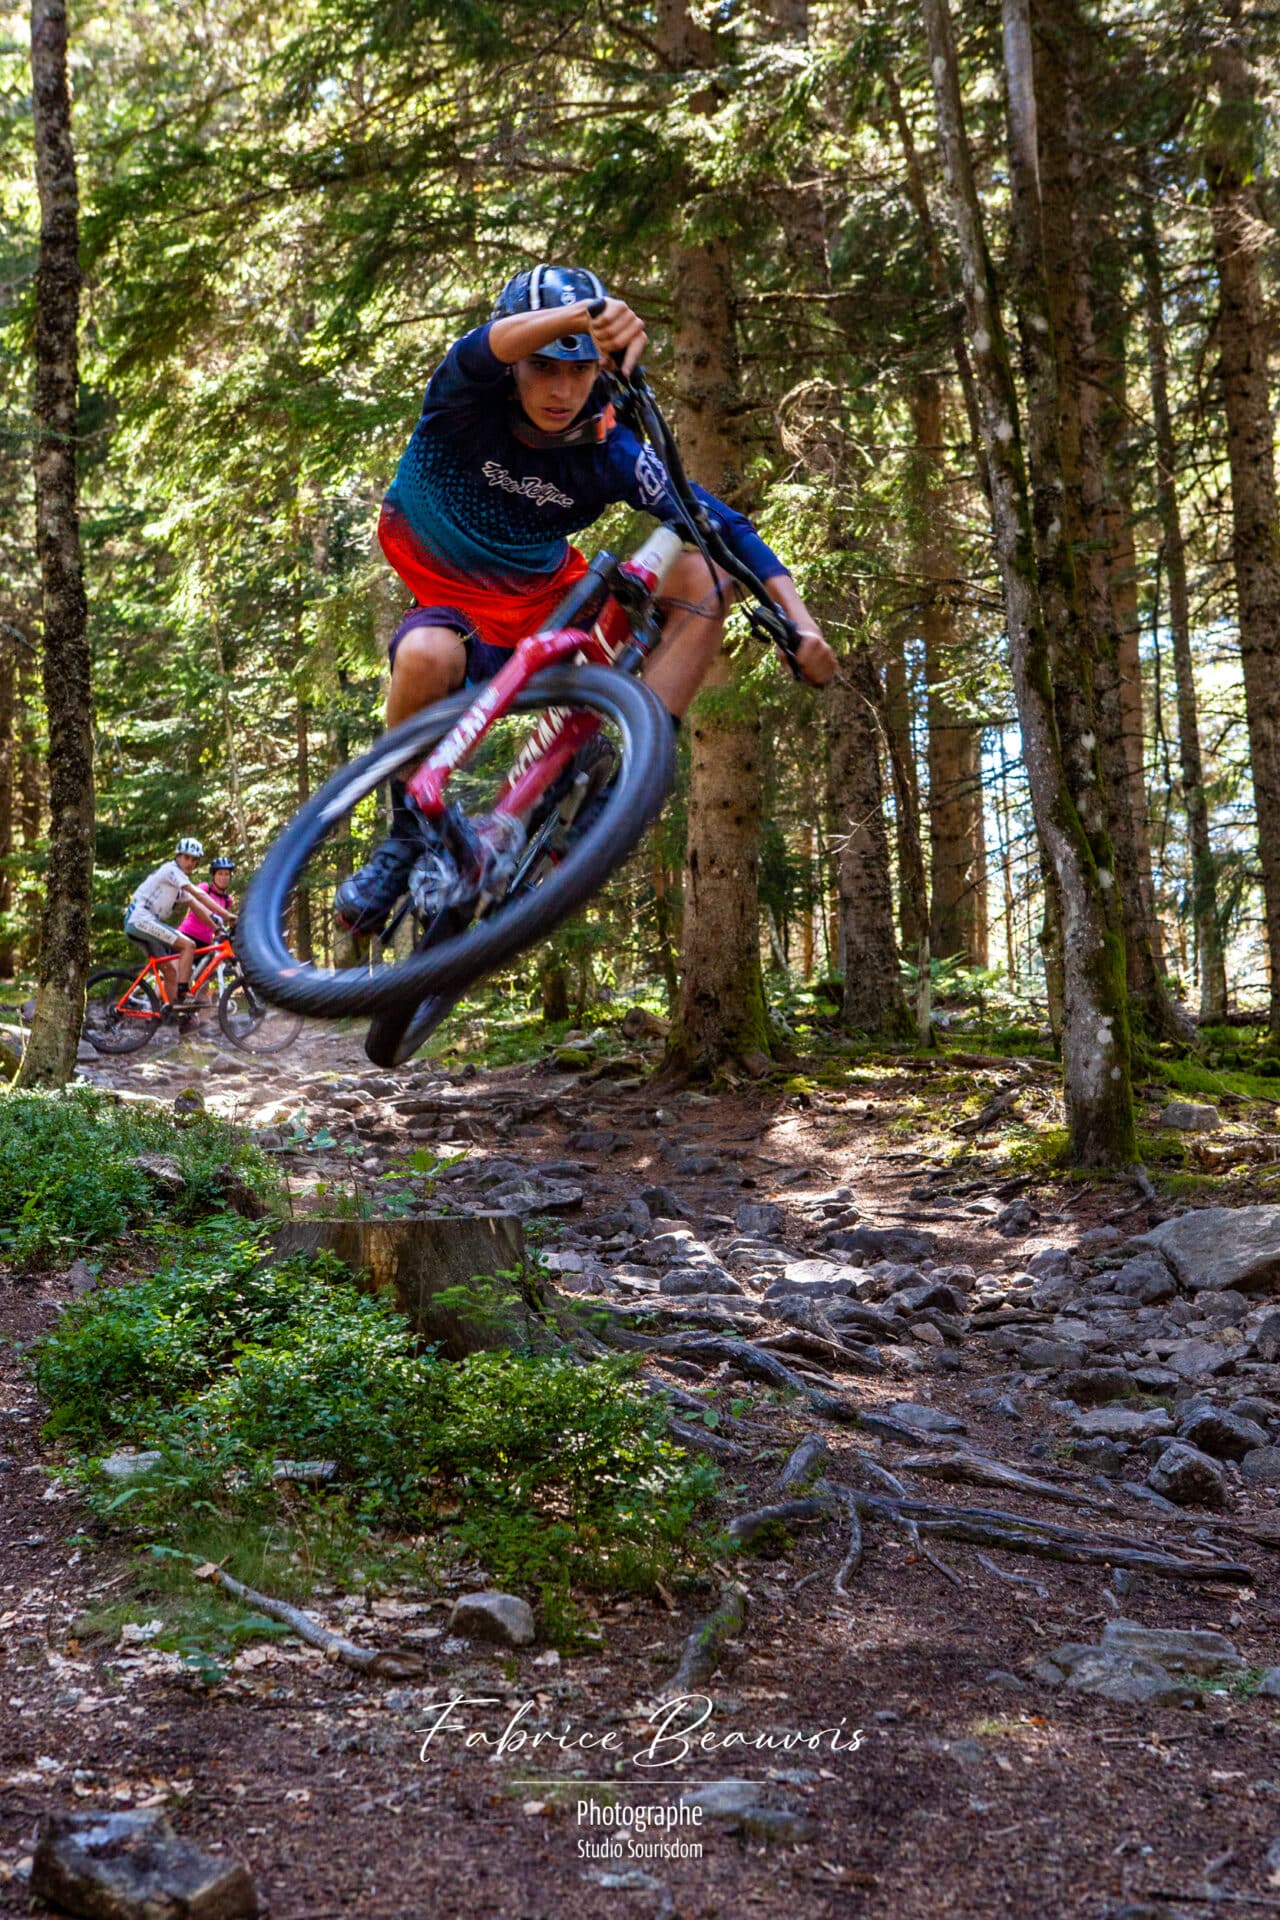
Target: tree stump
460, 1282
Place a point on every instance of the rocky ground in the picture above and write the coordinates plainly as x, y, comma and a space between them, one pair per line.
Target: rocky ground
1051, 1413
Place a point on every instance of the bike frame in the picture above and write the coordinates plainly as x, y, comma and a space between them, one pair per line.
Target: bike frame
220, 953
560, 732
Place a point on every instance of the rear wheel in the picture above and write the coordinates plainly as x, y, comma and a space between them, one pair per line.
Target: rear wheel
121, 1012
252, 1023
343, 822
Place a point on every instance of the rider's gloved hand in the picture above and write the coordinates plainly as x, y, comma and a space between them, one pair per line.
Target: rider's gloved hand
816, 661
618, 332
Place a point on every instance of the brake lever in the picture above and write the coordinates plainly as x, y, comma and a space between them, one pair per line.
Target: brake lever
774, 628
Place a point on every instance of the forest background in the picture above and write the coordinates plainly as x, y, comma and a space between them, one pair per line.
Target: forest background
972, 308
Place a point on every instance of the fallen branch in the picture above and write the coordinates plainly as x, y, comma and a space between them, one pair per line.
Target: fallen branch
386, 1663
703, 1648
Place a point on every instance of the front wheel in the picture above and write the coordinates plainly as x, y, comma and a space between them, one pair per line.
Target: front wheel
121, 1012
251, 1023
343, 822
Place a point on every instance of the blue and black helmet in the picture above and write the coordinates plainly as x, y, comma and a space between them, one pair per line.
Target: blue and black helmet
544, 287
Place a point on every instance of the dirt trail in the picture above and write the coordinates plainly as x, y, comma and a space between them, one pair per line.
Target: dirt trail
975, 1787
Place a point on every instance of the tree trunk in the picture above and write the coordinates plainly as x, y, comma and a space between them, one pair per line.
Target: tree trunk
50, 1054
1058, 737
722, 1013
8, 783
873, 997
1243, 332
1204, 885
1072, 363
302, 897
957, 855
895, 716
30, 809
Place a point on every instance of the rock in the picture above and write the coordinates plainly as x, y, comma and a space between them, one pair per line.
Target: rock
1104, 1456
1121, 1423
493, 1616
1130, 1679
1097, 1386
1097, 1239
267, 1140
1147, 1276
909, 1413
662, 1203
1053, 1354
1051, 1263
639, 1024
236, 1193
574, 1059
1010, 1682
764, 1217
817, 1279
133, 1866
1266, 1339
190, 1100
1188, 1477
924, 1294
1015, 1220
632, 1218
1189, 1650
708, 1279
1190, 1117
742, 1805
885, 1243
594, 1140
305, 1473
1211, 1248
80, 1277
537, 1195
165, 1175
1053, 1293
128, 1464
1227, 1436
1199, 1359
1269, 1685
1261, 1468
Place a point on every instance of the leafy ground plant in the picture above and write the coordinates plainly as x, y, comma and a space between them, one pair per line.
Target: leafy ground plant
551, 1474
70, 1179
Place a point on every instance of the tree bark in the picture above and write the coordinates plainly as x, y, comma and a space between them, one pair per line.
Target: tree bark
8, 784
30, 811
873, 998
1243, 330
50, 1055
1059, 740
1079, 555
957, 853
1204, 884
302, 897
722, 1013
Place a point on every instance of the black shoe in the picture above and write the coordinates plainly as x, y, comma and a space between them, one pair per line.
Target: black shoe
364, 902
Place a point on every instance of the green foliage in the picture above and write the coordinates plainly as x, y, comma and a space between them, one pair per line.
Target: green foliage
552, 1473
69, 1174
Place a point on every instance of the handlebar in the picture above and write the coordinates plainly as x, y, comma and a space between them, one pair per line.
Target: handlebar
766, 621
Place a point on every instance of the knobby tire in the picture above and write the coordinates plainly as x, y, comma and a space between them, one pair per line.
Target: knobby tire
646, 771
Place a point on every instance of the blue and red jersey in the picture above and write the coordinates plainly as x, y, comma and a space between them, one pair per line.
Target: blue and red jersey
488, 506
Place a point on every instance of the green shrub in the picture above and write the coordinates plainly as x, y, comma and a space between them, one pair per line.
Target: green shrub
69, 1178
548, 1471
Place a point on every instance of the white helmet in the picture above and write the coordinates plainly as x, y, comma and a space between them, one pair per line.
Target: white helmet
188, 845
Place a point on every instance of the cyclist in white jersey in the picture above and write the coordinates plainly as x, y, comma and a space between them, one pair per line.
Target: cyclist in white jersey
149, 915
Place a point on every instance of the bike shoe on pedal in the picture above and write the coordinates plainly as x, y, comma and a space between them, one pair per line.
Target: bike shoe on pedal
364, 902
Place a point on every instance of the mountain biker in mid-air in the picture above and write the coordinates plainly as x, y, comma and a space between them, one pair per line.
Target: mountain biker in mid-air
148, 915
516, 448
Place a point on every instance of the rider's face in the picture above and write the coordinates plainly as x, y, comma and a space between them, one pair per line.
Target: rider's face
554, 392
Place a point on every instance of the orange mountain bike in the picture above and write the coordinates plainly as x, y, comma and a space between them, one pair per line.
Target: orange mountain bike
123, 1010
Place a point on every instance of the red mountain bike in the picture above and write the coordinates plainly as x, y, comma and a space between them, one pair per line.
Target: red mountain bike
123, 1010
538, 785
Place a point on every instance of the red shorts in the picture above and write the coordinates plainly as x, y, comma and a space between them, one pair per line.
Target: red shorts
500, 616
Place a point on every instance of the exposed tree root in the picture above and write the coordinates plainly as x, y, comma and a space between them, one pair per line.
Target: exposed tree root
384, 1663
703, 1648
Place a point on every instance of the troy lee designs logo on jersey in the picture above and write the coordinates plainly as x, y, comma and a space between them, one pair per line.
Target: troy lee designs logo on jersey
651, 476
541, 492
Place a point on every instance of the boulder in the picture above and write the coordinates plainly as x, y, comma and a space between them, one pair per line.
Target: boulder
1181, 1650
1266, 1339
1190, 1117
1128, 1424
501, 1617
703, 1279
922, 1419
1188, 1477
1129, 1679
1103, 1456
133, 1866
1200, 1359
1097, 1386
1225, 1435
1039, 1353
764, 1217
927, 1293
1212, 1248
1261, 1468
885, 1243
